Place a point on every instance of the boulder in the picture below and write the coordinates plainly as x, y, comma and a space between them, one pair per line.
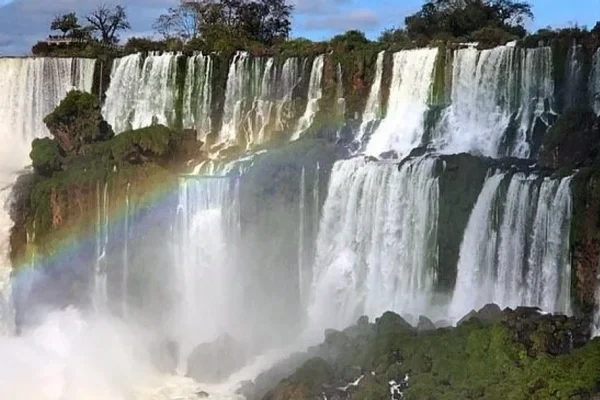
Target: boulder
490, 313
472, 314
391, 322
425, 324
213, 362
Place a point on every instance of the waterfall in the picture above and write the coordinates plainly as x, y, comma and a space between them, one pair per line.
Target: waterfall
100, 296
594, 86
301, 234
197, 100
373, 107
258, 99
125, 256
31, 88
515, 249
339, 93
288, 81
574, 84
377, 241
402, 128
315, 92
202, 280
142, 92
491, 89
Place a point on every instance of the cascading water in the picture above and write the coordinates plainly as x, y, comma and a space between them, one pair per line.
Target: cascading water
31, 88
594, 83
202, 276
142, 92
515, 250
574, 93
402, 129
257, 99
377, 242
315, 92
197, 100
289, 79
373, 111
491, 89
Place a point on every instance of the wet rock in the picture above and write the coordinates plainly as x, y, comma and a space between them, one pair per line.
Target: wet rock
213, 362
425, 324
389, 155
490, 313
202, 395
391, 322
472, 314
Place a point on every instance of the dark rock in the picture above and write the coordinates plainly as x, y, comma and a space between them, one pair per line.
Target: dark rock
391, 322
389, 155
213, 362
443, 323
202, 395
573, 141
490, 313
363, 321
371, 159
472, 314
425, 324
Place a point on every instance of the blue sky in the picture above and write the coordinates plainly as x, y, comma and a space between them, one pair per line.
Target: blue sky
22, 22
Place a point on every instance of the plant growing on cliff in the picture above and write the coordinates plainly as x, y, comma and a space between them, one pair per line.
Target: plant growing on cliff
77, 122
65, 23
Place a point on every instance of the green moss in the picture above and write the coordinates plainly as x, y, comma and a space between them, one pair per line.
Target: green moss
45, 156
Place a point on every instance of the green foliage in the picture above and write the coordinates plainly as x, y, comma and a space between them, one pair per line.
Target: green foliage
473, 361
77, 122
491, 36
65, 23
142, 145
394, 37
45, 156
216, 22
462, 19
349, 41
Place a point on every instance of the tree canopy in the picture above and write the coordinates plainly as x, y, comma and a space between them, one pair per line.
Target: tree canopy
107, 22
65, 23
462, 18
264, 21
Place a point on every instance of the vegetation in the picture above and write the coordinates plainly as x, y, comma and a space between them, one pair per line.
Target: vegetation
107, 23
261, 21
514, 355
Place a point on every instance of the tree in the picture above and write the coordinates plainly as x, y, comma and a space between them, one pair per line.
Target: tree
65, 23
183, 21
461, 18
108, 22
265, 21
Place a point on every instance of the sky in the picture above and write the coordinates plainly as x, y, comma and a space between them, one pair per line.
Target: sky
23, 22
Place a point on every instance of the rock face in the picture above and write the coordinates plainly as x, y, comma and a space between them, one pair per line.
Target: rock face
494, 354
213, 362
573, 141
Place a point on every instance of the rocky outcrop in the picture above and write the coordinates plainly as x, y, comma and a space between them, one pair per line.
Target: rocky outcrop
213, 362
573, 141
518, 353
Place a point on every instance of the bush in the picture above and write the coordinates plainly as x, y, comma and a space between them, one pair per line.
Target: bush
45, 156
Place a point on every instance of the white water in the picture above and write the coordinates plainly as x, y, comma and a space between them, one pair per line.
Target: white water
515, 250
373, 108
315, 92
258, 99
30, 89
202, 276
402, 128
376, 243
594, 85
197, 99
489, 89
141, 92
